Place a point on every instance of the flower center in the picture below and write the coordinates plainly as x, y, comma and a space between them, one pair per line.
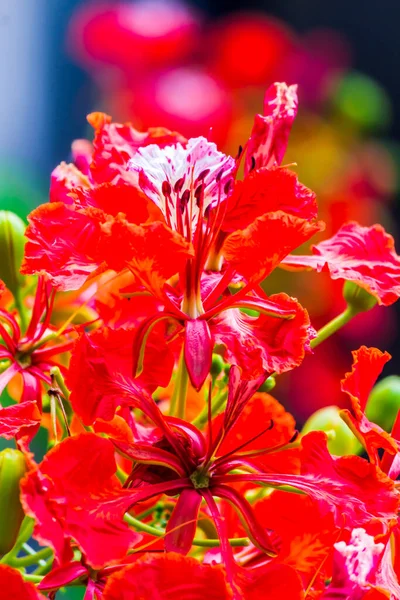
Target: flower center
23, 359
200, 479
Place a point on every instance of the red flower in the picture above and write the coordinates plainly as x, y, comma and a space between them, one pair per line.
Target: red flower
31, 353
190, 205
365, 255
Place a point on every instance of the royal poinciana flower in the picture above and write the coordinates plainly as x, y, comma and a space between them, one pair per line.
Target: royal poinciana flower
31, 353
173, 212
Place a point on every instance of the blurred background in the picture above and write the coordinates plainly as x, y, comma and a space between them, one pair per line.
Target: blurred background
202, 68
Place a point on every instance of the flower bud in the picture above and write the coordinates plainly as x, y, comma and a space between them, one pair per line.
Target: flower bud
341, 440
12, 241
217, 365
268, 384
357, 297
12, 469
384, 402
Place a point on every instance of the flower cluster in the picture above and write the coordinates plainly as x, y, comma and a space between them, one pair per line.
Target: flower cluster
143, 339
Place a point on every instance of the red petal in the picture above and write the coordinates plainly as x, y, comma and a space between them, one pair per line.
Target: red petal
182, 524
114, 144
116, 197
198, 351
63, 243
68, 503
64, 179
354, 489
365, 255
152, 252
13, 587
367, 366
60, 576
258, 412
98, 357
268, 190
19, 420
258, 249
275, 581
264, 344
270, 133
165, 577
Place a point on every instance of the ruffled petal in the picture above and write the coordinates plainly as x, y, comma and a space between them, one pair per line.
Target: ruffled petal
367, 365
270, 133
64, 179
152, 252
365, 255
114, 144
268, 190
167, 576
354, 489
354, 566
98, 357
63, 244
257, 250
264, 343
19, 420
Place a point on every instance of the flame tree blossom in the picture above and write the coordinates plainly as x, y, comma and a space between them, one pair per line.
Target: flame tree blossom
173, 213
168, 248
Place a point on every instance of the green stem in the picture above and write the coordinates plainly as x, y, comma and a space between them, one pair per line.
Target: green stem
217, 403
24, 535
333, 326
178, 400
32, 578
56, 373
44, 568
210, 543
31, 559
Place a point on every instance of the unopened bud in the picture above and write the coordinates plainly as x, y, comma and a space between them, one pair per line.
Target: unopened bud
217, 365
268, 385
341, 440
12, 242
357, 297
12, 469
384, 402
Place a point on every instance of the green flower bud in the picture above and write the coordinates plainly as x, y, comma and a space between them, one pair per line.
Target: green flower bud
12, 241
217, 365
12, 469
384, 402
357, 298
341, 440
268, 385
